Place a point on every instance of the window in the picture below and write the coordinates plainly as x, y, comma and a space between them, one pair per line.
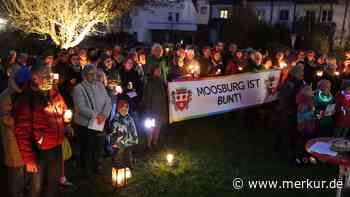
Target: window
204, 10
177, 17
170, 16
261, 15
310, 16
284, 15
224, 14
327, 16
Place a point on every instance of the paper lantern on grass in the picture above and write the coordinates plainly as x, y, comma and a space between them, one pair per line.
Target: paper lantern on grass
120, 177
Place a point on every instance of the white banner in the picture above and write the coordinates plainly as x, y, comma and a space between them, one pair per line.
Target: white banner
193, 99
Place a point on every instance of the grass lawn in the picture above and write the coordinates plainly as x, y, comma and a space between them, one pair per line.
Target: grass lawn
212, 152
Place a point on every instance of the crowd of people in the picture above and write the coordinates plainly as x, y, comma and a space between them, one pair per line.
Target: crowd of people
110, 100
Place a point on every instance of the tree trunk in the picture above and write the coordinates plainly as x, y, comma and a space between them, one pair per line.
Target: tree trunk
344, 21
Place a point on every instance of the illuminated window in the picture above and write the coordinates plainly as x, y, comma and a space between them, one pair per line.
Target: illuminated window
224, 14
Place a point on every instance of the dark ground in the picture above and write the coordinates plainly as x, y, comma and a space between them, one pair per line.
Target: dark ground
212, 152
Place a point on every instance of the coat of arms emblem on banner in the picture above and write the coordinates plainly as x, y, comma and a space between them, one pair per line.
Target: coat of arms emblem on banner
181, 98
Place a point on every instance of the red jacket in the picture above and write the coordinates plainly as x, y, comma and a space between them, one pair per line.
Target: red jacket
38, 126
342, 121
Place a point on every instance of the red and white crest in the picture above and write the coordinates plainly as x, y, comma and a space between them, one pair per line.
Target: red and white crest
181, 98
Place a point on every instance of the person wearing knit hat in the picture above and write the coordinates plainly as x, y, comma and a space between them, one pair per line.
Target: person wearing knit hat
124, 134
342, 118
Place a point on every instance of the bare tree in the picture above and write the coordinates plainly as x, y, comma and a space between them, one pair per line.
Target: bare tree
66, 22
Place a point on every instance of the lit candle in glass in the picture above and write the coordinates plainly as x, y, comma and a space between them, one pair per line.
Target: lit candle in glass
283, 64
319, 73
67, 116
56, 76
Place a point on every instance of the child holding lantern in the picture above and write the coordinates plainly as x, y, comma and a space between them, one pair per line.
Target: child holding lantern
342, 101
124, 133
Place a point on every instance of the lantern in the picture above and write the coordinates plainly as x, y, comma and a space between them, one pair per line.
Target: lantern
319, 73
120, 177
67, 116
170, 159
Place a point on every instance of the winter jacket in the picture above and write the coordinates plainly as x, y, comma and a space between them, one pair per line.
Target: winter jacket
123, 127
39, 123
90, 100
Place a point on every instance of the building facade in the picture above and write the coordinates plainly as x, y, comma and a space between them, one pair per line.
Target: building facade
334, 13
169, 22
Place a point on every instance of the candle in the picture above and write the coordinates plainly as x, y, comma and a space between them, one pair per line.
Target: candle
319, 73
56, 76
283, 64
118, 89
67, 116
130, 86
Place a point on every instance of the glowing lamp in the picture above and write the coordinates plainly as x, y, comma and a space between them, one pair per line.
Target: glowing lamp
337, 73
240, 68
120, 177
319, 73
67, 116
170, 159
218, 71
150, 123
